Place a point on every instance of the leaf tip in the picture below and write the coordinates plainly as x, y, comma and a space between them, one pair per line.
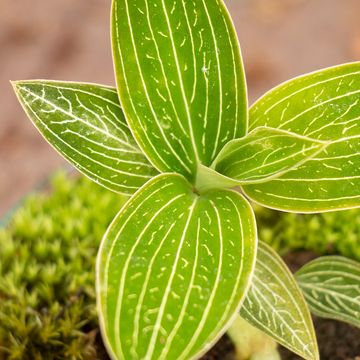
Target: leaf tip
17, 85
14, 84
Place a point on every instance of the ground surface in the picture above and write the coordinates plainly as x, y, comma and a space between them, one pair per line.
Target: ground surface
69, 40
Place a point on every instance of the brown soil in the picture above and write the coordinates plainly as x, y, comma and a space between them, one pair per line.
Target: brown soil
223, 350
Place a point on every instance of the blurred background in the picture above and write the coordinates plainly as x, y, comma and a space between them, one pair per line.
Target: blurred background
69, 40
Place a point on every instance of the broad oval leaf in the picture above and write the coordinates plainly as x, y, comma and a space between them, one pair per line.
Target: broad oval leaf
180, 79
324, 105
331, 286
85, 124
275, 305
265, 153
173, 270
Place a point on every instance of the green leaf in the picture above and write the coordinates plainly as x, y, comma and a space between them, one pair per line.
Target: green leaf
331, 286
324, 105
173, 270
265, 153
85, 123
275, 305
180, 79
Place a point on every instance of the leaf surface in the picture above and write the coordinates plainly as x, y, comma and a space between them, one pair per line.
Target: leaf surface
275, 305
85, 124
180, 79
168, 280
331, 285
263, 154
324, 105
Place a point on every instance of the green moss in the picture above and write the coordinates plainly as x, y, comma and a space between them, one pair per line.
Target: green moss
327, 233
47, 261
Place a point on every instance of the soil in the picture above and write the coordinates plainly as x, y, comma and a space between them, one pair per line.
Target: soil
223, 350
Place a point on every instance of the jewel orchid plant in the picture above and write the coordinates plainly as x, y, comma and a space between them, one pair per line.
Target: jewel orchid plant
181, 263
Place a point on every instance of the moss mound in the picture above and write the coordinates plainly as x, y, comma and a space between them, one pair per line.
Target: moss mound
47, 261
323, 234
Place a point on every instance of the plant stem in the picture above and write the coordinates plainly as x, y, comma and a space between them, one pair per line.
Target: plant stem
251, 343
208, 179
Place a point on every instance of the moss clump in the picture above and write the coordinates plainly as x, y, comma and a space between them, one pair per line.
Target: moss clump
327, 233
47, 262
